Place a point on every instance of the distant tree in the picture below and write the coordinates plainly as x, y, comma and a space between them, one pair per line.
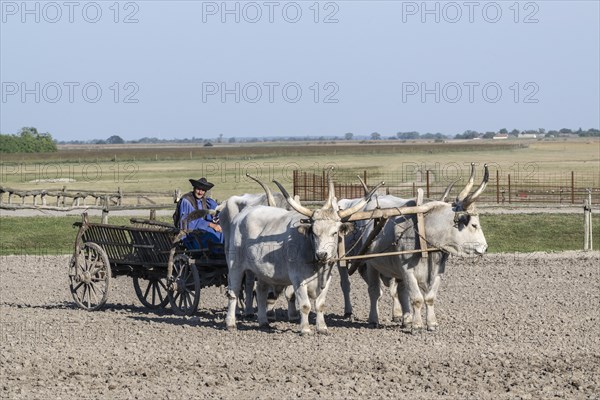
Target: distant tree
231, 140
375, 136
114, 139
541, 131
208, 144
590, 133
220, 139
489, 135
432, 136
349, 136
503, 131
515, 132
565, 130
407, 135
468, 134
27, 140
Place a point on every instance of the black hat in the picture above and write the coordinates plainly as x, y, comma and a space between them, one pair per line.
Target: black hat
202, 183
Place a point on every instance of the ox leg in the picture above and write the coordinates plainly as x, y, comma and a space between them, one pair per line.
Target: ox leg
345, 284
235, 278
403, 295
303, 303
430, 297
416, 297
249, 294
374, 290
272, 296
393, 286
262, 291
293, 314
320, 308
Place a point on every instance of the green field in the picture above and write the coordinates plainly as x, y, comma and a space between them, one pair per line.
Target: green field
504, 233
164, 169
152, 168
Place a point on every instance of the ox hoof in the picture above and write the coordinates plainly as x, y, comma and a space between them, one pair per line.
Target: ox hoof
374, 325
432, 327
305, 332
294, 317
265, 327
398, 320
231, 328
324, 332
348, 315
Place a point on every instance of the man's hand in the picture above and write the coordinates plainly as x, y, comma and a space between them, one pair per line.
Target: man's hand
216, 227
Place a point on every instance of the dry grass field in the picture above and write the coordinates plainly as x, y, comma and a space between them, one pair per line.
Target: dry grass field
156, 168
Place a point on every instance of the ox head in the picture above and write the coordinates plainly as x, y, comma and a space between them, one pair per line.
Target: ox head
456, 228
324, 225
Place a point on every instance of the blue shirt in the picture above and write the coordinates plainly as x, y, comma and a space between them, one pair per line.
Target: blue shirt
201, 223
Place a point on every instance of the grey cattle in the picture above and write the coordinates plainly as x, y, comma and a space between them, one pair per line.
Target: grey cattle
352, 245
287, 248
453, 228
232, 207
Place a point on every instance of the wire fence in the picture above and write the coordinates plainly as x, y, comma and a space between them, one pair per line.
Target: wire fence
503, 188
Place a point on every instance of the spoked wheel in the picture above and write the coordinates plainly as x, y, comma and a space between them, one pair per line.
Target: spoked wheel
90, 277
152, 292
184, 293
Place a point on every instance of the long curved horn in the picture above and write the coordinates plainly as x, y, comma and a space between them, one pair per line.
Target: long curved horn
364, 185
293, 203
461, 196
331, 194
270, 198
472, 197
358, 206
448, 189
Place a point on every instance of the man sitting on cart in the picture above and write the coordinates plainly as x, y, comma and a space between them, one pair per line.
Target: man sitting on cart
207, 229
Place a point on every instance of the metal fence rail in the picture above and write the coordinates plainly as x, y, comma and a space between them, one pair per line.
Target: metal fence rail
550, 188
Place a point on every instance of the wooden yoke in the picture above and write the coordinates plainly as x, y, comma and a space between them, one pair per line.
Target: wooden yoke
421, 225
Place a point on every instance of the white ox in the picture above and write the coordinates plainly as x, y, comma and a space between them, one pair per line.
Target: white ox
232, 207
453, 228
353, 245
284, 248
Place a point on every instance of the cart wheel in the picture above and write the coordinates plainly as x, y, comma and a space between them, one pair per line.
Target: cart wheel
184, 293
152, 292
90, 277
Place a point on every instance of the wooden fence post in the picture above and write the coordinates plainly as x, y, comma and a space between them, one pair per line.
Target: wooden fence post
427, 183
497, 187
509, 188
295, 182
572, 187
104, 219
587, 222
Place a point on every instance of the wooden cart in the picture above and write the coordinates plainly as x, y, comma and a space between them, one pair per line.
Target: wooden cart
150, 252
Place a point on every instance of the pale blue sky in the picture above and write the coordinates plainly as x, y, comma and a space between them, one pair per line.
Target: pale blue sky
370, 67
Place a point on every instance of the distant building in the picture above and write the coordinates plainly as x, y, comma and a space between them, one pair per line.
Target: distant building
501, 136
525, 135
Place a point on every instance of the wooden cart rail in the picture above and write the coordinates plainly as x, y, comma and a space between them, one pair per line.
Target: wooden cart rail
150, 252
131, 245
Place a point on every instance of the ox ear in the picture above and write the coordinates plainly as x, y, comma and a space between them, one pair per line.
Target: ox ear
347, 228
462, 218
304, 229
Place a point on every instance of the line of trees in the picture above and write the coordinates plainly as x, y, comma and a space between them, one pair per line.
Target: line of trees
27, 140
540, 133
